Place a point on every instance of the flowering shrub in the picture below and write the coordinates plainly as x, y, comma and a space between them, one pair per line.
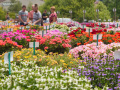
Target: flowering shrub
15, 36
92, 51
27, 75
62, 28
102, 72
110, 37
79, 37
29, 32
51, 60
8, 45
54, 43
56, 33
37, 27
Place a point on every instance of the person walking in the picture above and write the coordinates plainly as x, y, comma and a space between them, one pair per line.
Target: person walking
44, 16
7, 16
23, 16
53, 15
36, 16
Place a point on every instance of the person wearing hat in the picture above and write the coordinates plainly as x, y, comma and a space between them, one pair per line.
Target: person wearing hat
23, 16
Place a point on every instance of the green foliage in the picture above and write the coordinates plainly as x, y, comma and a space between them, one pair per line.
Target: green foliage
2, 14
77, 6
29, 7
103, 12
113, 4
12, 15
16, 7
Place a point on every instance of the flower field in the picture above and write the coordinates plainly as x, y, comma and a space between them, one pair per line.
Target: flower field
69, 57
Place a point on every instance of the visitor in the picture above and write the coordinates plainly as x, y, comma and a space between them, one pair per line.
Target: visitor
7, 16
30, 15
23, 16
36, 16
44, 16
53, 15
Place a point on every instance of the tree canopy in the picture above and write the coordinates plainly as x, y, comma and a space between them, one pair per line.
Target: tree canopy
77, 7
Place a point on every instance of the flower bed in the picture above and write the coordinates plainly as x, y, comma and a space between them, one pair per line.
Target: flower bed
93, 51
8, 45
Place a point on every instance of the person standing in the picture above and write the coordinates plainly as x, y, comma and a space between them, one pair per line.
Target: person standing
53, 15
36, 16
44, 16
23, 16
30, 15
7, 16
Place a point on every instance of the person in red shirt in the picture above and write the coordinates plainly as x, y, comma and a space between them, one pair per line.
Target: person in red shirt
53, 15
30, 15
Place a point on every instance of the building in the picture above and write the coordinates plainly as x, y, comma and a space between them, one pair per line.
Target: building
6, 3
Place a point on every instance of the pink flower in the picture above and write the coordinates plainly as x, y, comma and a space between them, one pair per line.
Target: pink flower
46, 48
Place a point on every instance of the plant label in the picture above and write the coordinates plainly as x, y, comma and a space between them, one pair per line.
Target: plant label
27, 27
95, 36
117, 55
6, 59
31, 44
44, 27
87, 30
40, 32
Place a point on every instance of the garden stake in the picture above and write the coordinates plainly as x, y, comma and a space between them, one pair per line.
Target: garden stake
89, 32
9, 63
33, 48
46, 29
42, 33
49, 26
97, 39
83, 27
117, 25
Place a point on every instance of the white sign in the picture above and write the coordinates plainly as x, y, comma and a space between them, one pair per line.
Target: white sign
87, 29
95, 36
31, 44
109, 20
6, 59
70, 11
117, 55
27, 27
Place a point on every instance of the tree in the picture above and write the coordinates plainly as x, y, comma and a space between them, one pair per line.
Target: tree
103, 12
113, 4
2, 14
16, 7
77, 7
29, 7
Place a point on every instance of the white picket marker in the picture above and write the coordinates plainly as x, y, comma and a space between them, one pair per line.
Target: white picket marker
40, 32
117, 55
95, 36
31, 44
87, 29
27, 27
8, 57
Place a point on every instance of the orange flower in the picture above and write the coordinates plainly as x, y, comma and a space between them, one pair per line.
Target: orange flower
7, 38
78, 44
109, 41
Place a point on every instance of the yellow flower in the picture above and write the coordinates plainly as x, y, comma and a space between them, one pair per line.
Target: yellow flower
64, 64
71, 62
45, 50
62, 61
